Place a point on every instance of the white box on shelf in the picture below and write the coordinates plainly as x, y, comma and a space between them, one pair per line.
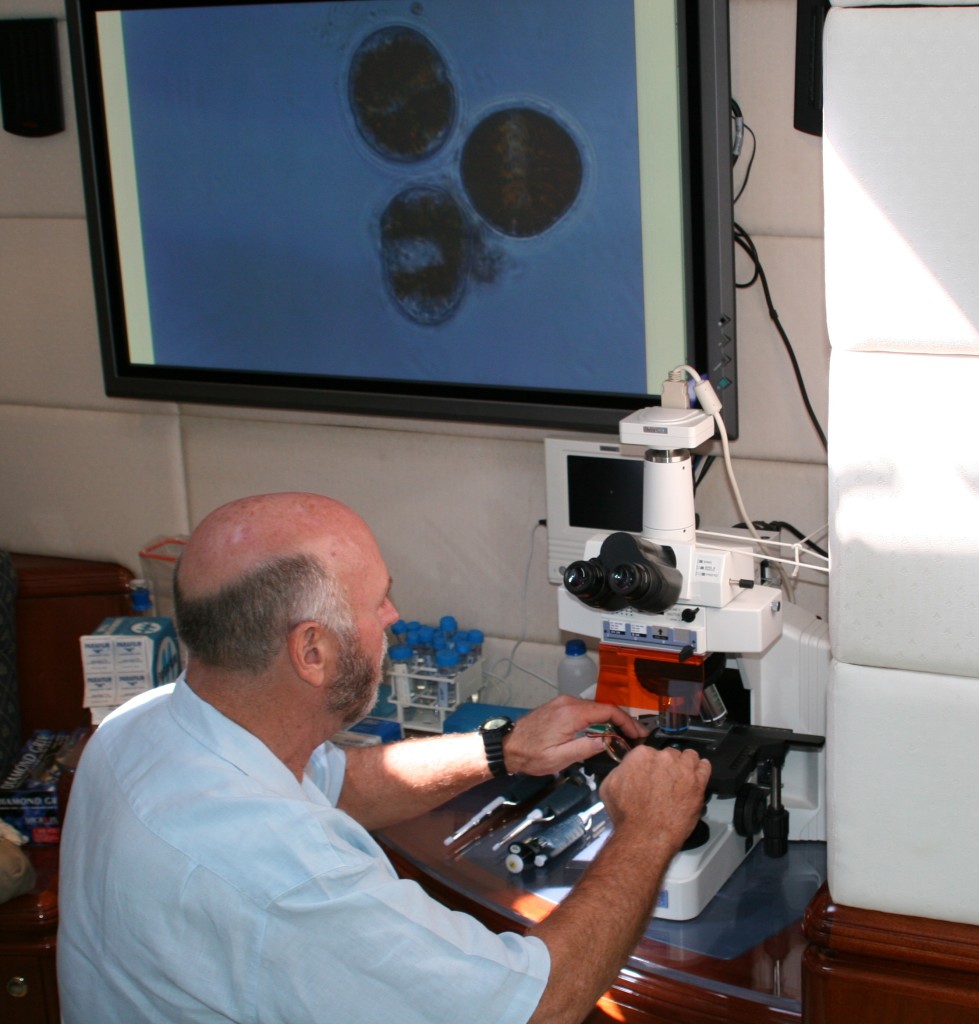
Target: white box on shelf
127, 655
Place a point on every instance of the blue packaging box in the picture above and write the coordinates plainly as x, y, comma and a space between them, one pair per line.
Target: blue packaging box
469, 717
29, 798
388, 731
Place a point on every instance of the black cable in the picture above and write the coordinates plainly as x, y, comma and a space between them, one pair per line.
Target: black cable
701, 466
751, 160
743, 239
740, 127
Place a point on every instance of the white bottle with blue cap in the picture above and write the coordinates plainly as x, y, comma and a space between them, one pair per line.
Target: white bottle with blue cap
577, 673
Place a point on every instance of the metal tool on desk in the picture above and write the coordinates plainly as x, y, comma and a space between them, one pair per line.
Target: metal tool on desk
523, 788
576, 787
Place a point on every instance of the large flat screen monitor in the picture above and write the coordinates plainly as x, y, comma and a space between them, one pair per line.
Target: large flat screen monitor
508, 211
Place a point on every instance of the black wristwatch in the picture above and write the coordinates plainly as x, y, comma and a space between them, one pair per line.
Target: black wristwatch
493, 730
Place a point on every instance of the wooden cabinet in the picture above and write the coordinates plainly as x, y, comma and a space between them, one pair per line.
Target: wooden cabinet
28, 932
59, 600
29, 993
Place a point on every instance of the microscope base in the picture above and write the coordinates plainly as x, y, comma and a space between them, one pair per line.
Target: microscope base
695, 876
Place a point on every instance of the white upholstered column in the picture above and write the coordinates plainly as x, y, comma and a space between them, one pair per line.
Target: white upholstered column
901, 153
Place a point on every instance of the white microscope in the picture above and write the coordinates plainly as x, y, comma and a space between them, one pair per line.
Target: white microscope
672, 612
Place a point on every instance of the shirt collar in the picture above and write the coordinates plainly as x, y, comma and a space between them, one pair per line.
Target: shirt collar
230, 741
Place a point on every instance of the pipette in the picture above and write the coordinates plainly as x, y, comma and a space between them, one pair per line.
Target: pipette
523, 787
574, 790
544, 847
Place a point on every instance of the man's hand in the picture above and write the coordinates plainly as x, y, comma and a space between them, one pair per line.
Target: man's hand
657, 792
549, 738
654, 798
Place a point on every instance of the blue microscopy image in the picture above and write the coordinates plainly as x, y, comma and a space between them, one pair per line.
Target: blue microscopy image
439, 191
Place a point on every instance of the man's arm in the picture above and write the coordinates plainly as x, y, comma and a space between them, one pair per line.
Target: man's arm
654, 800
394, 782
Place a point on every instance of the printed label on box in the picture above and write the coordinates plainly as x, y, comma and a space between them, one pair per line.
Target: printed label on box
127, 655
100, 691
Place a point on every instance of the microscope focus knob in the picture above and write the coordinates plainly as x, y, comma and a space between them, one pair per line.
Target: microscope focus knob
749, 810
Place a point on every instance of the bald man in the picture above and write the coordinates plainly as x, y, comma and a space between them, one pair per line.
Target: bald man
216, 861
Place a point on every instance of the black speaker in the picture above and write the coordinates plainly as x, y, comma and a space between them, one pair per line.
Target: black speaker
30, 77
808, 112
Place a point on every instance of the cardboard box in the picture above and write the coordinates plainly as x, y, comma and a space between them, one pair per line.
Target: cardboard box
126, 656
29, 794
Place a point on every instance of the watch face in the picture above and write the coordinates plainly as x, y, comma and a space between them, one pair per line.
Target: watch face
500, 722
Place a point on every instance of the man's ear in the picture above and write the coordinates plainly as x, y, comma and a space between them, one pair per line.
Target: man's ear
313, 652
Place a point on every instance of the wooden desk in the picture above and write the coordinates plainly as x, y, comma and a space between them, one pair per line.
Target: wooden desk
669, 979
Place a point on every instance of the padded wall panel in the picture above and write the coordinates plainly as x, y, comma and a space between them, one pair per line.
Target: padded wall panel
88, 484
9, 690
455, 539
773, 421
904, 500
903, 810
783, 196
899, 149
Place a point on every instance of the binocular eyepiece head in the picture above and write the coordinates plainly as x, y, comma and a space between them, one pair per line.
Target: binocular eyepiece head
628, 572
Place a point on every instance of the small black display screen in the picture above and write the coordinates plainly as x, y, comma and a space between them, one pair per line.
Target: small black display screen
605, 493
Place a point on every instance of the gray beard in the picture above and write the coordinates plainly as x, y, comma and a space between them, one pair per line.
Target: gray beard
354, 693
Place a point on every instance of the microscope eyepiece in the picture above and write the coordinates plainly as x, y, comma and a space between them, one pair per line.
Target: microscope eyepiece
629, 579
588, 581
647, 586
584, 579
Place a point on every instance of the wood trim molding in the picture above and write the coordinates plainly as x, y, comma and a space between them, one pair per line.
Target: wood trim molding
870, 967
873, 933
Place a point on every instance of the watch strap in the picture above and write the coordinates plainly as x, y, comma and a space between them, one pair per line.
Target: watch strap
493, 745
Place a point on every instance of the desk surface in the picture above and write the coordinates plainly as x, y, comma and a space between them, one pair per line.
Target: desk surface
739, 961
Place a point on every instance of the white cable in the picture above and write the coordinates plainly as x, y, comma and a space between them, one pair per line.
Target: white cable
796, 547
508, 660
711, 405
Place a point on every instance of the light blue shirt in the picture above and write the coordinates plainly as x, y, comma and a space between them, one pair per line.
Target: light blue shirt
200, 881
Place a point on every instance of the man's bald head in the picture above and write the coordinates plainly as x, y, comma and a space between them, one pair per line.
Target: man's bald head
236, 539
257, 566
